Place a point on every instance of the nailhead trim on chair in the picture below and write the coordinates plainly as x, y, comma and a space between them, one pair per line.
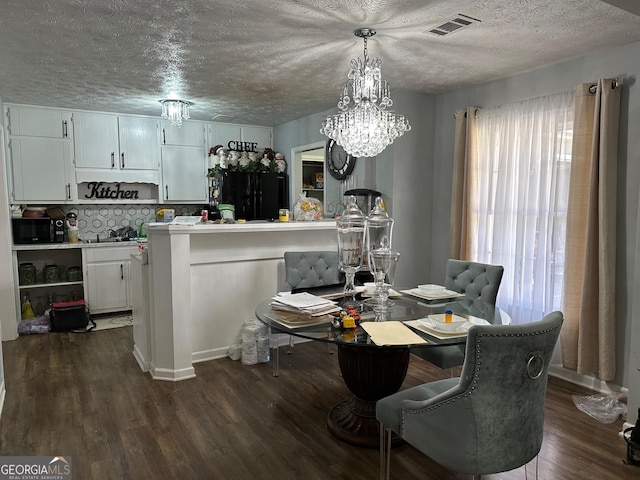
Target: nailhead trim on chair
472, 387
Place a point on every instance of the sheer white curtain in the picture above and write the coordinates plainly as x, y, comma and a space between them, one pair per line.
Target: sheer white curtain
522, 167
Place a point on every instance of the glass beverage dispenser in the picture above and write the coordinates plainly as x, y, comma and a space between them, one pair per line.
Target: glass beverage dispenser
378, 230
350, 227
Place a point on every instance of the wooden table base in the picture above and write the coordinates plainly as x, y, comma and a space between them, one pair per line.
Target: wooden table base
371, 373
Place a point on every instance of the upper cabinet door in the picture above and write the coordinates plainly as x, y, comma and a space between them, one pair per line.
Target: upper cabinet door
38, 122
240, 138
261, 136
184, 174
222, 134
189, 134
41, 170
139, 146
96, 140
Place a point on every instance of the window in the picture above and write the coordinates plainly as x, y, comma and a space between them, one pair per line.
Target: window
522, 170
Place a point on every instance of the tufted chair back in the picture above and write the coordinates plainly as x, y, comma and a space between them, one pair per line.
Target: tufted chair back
311, 269
490, 419
475, 280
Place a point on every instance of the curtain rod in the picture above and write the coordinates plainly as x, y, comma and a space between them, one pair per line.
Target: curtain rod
615, 83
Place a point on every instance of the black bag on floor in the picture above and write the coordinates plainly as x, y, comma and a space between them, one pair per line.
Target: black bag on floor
73, 315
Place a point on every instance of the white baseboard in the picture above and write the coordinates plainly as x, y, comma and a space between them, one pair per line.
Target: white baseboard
144, 364
171, 375
212, 354
588, 381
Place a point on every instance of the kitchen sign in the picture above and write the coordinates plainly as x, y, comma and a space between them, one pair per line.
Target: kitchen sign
114, 192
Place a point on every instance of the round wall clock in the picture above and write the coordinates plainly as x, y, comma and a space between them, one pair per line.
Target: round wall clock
339, 163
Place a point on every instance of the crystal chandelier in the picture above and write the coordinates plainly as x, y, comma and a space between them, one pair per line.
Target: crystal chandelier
364, 127
175, 110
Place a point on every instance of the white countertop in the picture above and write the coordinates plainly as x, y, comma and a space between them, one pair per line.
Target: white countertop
249, 227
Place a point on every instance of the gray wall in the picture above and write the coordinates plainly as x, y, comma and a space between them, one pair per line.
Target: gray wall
402, 173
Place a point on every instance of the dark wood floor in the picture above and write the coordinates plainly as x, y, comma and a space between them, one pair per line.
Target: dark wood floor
83, 395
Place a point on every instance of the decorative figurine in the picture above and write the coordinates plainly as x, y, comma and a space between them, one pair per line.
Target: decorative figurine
281, 162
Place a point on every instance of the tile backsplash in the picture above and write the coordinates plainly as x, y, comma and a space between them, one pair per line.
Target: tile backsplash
100, 219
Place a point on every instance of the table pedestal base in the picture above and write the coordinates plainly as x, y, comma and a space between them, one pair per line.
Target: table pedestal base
371, 373
354, 421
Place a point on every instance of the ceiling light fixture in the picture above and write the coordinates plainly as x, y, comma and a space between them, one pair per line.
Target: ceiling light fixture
364, 127
175, 110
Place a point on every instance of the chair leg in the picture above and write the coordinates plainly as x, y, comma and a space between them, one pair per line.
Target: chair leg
275, 353
275, 360
290, 348
525, 469
385, 451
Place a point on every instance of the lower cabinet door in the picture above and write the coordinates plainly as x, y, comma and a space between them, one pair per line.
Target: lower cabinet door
108, 285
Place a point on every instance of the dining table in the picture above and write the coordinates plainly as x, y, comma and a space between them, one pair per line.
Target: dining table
374, 366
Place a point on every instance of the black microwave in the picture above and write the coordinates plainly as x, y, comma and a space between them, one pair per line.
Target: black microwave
37, 230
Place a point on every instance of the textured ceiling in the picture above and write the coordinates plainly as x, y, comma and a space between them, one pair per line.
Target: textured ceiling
266, 62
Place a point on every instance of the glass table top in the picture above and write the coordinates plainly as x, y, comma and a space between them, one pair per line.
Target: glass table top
404, 308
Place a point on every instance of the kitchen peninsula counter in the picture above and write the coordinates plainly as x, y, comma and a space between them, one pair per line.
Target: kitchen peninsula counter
205, 281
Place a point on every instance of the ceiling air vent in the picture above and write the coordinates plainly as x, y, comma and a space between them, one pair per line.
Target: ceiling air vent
222, 118
454, 24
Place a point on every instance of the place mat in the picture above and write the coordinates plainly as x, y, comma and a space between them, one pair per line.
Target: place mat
437, 333
391, 333
441, 296
296, 320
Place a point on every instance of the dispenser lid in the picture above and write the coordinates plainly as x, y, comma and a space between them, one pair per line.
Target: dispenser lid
352, 213
378, 213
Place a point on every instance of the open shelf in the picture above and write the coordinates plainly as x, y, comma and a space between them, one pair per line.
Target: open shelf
49, 285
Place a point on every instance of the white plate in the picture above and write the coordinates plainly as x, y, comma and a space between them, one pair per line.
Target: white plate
446, 294
422, 326
462, 328
431, 289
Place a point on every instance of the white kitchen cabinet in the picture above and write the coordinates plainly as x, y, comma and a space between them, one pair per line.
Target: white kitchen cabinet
41, 170
190, 133
107, 273
38, 122
125, 147
184, 174
138, 143
240, 137
96, 140
41, 155
262, 136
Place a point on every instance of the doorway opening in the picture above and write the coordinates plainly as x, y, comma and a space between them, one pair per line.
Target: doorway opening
308, 173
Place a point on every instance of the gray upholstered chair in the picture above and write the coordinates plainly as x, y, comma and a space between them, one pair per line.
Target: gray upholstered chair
475, 280
491, 418
310, 270
478, 281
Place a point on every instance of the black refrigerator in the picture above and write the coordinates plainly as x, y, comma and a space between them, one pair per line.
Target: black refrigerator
254, 195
